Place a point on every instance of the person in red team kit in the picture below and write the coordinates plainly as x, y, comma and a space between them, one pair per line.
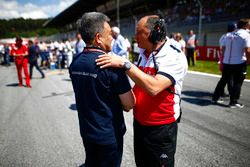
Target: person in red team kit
158, 84
20, 53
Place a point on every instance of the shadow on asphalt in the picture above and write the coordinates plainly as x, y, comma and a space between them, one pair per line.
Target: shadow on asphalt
53, 94
198, 94
12, 85
73, 107
197, 97
200, 98
66, 79
197, 101
36, 78
83, 165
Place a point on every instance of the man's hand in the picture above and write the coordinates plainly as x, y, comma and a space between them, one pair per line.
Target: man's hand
107, 60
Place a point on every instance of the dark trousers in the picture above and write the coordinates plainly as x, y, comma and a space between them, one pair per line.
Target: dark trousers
32, 64
190, 55
6, 59
229, 87
155, 146
234, 73
103, 155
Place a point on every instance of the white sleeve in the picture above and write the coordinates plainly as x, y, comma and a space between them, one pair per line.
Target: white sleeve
221, 40
247, 41
174, 67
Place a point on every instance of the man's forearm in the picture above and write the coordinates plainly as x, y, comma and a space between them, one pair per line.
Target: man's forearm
151, 84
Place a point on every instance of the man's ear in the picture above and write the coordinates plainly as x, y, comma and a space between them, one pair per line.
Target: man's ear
98, 37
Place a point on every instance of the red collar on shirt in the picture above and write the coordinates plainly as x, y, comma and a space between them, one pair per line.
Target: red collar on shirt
94, 49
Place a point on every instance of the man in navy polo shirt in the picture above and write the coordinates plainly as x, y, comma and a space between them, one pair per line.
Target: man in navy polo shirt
101, 95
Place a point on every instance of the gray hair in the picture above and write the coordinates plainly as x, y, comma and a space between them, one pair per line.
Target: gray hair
90, 24
150, 23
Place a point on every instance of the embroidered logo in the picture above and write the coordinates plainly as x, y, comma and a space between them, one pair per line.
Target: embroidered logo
163, 156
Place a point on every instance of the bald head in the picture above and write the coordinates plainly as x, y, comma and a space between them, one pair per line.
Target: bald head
148, 21
144, 27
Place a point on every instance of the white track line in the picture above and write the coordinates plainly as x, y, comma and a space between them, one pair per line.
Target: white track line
211, 75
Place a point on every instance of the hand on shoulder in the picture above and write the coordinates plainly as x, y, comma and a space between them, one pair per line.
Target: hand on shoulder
107, 60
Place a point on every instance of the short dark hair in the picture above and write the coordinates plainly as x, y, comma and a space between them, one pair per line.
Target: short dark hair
30, 42
90, 24
231, 27
243, 22
19, 39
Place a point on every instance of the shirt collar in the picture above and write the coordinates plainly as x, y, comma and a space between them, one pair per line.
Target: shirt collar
155, 52
94, 49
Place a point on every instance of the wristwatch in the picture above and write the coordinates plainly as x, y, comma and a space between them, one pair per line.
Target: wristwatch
127, 65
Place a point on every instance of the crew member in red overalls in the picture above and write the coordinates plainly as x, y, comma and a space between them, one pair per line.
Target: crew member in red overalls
20, 53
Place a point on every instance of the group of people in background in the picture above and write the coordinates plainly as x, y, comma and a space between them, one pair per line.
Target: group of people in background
51, 55
235, 55
188, 45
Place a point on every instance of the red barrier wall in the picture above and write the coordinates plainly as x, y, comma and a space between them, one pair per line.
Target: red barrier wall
210, 53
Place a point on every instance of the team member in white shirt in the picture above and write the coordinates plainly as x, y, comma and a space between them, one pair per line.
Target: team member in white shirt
236, 53
230, 28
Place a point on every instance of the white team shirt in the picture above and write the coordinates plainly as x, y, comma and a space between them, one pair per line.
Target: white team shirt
222, 38
235, 44
163, 108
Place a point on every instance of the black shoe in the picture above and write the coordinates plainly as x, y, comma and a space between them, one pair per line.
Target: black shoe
43, 76
236, 105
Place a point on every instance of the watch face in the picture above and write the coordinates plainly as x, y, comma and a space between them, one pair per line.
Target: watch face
127, 65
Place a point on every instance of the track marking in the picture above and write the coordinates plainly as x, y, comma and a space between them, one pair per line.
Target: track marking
211, 75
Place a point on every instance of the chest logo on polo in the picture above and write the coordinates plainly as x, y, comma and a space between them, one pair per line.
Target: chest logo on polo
84, 73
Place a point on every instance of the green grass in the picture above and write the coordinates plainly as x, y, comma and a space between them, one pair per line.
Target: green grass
211, 67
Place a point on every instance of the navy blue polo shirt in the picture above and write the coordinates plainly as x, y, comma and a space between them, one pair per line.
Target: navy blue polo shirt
96, 92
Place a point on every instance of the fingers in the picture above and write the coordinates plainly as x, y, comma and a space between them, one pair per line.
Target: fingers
105, 65
104, 55
103, 58
109, 61
102, 62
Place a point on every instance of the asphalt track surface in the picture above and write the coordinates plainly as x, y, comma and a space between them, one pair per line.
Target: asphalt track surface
39, 126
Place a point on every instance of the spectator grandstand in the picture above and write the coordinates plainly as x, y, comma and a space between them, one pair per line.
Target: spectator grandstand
187, 11
180, 15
